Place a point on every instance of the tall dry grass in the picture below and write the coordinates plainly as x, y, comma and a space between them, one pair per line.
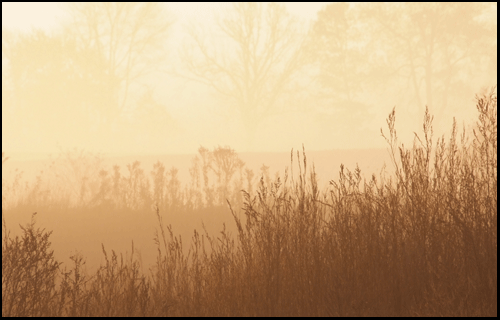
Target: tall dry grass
419, 242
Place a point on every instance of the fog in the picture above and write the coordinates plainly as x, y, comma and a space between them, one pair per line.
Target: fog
243, 155
169, 78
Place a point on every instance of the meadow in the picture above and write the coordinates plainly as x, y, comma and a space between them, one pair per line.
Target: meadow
418, 241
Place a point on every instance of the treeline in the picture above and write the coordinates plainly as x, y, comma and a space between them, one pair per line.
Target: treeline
109, 76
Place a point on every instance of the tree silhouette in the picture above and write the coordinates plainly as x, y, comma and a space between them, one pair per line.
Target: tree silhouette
338, 50
254, 61
56, 87
435, 48
130, 37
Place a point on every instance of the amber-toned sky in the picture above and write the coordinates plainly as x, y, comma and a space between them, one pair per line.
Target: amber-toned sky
190, 114
24, 15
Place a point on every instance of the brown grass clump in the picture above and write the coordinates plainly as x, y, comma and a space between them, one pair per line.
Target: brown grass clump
420, 242
29, 272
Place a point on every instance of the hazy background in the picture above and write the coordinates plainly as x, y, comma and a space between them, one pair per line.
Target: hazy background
154, 82
168, 78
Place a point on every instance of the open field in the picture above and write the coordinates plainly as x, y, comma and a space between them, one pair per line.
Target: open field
85, 232
419, 240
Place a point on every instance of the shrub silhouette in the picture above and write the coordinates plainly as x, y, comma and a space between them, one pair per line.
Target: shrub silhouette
29, 273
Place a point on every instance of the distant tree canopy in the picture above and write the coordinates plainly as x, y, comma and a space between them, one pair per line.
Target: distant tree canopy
252, 64
427, 52
334, 40
90, 78
436, 50
74, 83
130, 37
338, 48
56, 87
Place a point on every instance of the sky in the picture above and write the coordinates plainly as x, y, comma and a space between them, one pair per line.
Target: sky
197, 118
25, 15
45, 15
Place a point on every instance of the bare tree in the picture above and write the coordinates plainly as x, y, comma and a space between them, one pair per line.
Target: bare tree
341, 58
130, 36
436, 48
256, 63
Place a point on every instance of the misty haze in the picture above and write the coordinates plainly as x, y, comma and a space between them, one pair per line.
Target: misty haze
249, 159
